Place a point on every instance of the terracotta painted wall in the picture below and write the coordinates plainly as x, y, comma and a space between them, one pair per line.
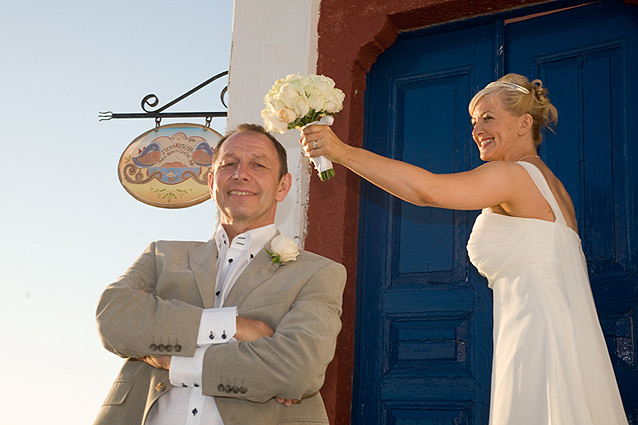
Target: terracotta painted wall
352, 34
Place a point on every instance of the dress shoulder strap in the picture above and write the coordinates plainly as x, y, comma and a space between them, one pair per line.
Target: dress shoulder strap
543, 187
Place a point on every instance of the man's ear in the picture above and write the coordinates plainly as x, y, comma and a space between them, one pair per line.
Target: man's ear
211, 181
284, 187
525, 124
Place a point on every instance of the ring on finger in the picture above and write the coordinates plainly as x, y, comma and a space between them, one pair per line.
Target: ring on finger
315, 145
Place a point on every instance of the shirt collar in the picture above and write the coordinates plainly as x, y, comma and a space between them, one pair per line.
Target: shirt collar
251, 241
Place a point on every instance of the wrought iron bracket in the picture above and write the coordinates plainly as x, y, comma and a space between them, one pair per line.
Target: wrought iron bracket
151, 101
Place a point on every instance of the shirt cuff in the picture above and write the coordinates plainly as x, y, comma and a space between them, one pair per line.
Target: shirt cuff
187, 371
217, 326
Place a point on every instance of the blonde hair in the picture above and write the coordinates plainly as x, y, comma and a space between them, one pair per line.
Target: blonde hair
521, 97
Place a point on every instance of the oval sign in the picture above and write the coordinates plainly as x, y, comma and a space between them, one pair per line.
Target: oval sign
168, 166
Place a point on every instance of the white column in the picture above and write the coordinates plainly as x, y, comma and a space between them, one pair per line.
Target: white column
271, 39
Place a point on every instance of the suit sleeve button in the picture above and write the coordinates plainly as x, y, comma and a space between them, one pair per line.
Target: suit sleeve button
220, 388
177, 348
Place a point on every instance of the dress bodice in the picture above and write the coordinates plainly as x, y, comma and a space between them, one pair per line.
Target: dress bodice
500, 245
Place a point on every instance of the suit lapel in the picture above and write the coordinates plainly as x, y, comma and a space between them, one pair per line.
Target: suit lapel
203, 262
259, 270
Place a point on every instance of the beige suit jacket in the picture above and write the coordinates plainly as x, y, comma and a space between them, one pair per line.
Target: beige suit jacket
159, 300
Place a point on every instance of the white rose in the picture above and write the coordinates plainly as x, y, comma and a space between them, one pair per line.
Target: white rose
301, 106
287, 115
272, 122
316, 99
289, 95
324, 85
334, 103
285, 247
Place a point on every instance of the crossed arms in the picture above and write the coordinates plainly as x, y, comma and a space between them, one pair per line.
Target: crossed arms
286, 329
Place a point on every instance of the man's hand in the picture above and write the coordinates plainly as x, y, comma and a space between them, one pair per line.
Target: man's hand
251, 330
160, 362
286, 401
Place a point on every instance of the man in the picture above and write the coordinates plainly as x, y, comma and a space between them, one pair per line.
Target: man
218, 333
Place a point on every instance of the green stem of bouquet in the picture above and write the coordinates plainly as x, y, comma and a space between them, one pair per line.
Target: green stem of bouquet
327, 175
311, 116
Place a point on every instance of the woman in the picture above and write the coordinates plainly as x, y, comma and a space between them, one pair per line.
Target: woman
550, 363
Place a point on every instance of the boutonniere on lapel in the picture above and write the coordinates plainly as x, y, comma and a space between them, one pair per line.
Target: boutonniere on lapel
282, 249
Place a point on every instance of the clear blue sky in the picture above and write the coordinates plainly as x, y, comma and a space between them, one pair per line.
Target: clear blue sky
68, 228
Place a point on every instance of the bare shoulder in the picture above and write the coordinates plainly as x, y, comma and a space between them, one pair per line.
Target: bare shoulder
505, 176
505, 171
508, 167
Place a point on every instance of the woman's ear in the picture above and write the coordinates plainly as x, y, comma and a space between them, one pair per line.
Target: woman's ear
525, 124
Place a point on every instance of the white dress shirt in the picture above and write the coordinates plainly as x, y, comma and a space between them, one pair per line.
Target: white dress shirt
185, 404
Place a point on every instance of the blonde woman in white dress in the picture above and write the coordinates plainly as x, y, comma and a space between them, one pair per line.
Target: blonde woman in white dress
550, 363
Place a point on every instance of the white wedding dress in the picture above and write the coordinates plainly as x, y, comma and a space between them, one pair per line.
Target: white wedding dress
550, 365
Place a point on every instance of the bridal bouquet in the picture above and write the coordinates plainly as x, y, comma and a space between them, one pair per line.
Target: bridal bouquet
298, 101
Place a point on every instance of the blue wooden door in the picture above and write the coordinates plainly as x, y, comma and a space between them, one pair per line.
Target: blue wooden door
424, 315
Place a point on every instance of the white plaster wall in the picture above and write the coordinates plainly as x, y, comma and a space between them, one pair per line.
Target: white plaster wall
271, 39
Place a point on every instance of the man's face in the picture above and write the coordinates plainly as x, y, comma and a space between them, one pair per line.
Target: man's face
245, 181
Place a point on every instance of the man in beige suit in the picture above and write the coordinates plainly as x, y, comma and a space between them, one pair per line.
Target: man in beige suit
236, 330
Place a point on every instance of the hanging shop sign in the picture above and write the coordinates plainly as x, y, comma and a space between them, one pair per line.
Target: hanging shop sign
168, 166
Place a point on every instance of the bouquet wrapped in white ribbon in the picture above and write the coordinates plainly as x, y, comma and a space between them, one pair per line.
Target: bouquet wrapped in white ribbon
297, 101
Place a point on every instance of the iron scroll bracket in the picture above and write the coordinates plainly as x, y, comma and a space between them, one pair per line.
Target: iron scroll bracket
151, 101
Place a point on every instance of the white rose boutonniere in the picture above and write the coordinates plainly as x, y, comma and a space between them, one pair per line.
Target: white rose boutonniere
282, 249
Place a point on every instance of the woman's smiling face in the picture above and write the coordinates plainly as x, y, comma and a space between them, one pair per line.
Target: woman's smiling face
495, 129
